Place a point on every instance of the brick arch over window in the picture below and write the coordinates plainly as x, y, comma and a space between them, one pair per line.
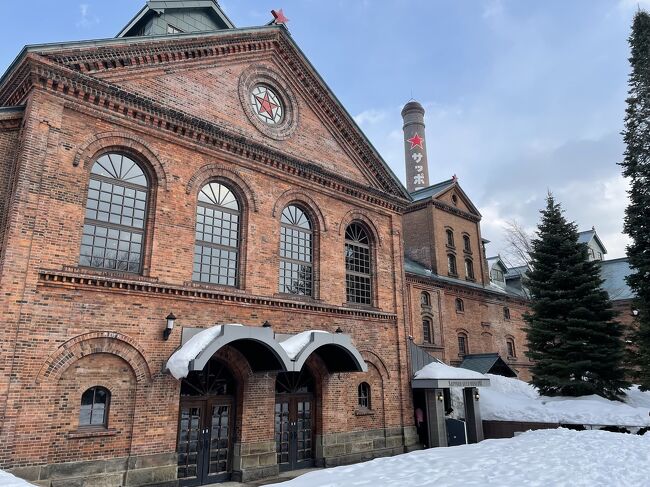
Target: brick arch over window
376, 361
126, 143
113, 343
355, 215
216, 172
300, 198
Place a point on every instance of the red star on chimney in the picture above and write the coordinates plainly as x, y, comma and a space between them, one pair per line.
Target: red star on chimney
416, 141
279, 16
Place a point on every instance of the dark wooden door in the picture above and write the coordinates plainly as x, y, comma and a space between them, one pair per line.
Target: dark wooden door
294, 430
204, 440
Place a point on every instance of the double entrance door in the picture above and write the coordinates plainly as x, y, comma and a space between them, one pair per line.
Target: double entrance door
294, 430
204, 440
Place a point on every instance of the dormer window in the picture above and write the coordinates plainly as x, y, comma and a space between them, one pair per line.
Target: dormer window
173, 30
497, 275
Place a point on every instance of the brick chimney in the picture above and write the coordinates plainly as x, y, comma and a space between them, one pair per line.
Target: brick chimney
415, 149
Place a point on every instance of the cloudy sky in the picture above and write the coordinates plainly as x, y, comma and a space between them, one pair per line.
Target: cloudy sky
522, 97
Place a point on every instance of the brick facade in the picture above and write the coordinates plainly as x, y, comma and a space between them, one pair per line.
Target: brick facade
69, 327
177, 107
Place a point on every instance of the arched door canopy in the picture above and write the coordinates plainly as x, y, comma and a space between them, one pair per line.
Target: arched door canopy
265, 350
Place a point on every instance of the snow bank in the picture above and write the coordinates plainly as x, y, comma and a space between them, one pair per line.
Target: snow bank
438, 370
514, 400
558, 457
8, 480
179, 363
295, 344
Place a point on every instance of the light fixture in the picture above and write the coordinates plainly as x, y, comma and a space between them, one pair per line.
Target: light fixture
635, 312
266, 324
338, 330
170, 326
477, 396
441, 397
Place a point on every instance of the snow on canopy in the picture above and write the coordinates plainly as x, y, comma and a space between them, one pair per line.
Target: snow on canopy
542, 457
179, 363
510, 399
295, 344
438, 370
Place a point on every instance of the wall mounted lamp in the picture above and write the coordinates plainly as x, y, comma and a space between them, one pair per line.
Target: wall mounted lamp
170, 326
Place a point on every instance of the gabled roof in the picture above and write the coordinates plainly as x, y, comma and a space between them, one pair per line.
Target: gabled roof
487, 363
432, 191
516, 272
436, 190
155, 7
496, 260
588, 235
85, 58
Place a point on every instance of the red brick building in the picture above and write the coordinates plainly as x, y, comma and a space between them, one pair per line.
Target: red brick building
193, 174
214, 176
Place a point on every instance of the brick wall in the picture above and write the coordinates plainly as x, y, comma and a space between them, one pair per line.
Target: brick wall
58, 313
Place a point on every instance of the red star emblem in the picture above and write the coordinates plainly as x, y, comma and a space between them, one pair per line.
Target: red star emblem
266, 105
416, 141
279, 17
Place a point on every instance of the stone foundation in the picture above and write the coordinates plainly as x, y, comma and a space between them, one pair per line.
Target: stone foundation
351, 447
147, 470
253, 461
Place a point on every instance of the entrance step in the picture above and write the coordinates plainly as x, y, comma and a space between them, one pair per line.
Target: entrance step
283, 477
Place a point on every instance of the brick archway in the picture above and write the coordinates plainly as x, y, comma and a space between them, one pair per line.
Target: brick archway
124, 142
113, 343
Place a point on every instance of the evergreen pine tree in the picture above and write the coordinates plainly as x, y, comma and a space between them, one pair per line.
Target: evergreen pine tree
572, 337
636, 166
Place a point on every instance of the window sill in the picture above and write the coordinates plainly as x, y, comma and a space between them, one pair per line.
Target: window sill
460, 312
91, 432
468, 252
360, 411
367, 307
295, 297
470, 279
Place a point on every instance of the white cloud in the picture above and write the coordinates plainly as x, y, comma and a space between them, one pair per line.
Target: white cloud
87, 19
370, 117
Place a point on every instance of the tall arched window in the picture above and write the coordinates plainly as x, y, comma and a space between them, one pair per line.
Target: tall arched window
116, 211
427, 332
450, 237
469, 269
463, 348
451, 263
364, 395
425, 299
460, 305
510, 344
296, 274
216, 251
467, 245
94, 407
358, 281
506, 313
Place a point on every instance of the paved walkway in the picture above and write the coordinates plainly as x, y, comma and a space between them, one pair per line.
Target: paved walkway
283, 477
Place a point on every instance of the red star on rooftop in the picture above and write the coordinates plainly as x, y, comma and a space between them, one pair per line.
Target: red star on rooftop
279, 17
416, 141
266, 105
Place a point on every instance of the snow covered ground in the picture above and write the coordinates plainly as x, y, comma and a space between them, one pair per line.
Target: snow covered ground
514, 400
558, 457
8, 480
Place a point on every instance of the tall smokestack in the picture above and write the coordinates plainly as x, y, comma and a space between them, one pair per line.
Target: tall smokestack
415, 150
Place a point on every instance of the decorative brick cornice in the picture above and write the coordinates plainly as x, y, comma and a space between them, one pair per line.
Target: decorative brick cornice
464, 290
444, 207
97, 61
105, 96
105, 283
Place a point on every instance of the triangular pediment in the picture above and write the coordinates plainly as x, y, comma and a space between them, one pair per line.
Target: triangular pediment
455, 196
202, 75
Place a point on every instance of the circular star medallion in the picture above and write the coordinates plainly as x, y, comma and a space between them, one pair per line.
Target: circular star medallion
266, 105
